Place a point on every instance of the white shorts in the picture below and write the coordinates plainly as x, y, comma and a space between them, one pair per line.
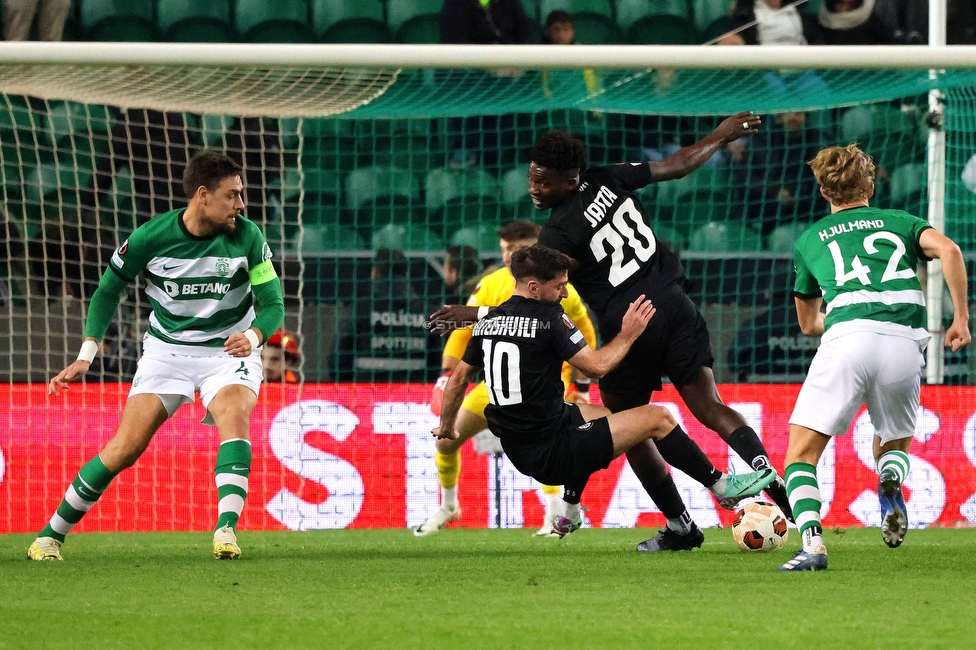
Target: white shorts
879, 370
175, 373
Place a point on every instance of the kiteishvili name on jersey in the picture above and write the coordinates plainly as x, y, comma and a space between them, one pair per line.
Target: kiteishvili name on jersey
517, 326
851, 226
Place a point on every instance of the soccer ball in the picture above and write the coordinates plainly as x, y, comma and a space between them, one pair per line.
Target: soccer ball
760, 528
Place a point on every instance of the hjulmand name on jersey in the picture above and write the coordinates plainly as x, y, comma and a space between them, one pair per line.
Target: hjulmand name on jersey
851, 226
174, 289
517, 326
597, 210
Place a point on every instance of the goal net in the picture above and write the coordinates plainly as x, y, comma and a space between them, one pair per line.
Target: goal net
363, 175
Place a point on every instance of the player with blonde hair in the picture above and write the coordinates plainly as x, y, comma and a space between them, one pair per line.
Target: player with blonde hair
861, 261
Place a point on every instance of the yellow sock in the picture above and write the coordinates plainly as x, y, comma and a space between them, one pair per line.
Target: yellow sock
448, 468
548, 489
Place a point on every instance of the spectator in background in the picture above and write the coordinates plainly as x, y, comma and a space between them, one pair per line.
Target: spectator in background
481, 138
960, 23
386, 340
772, 22
770, 346
20, 16
855, 22
462, 270
779, 186
559, 28
281, 357
155, 148
486, 22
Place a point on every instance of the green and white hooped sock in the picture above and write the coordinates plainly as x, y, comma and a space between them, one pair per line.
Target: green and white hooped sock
896, 461
230, 475
89, 484
803, 492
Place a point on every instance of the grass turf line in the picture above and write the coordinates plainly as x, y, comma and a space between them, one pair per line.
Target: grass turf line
483, 589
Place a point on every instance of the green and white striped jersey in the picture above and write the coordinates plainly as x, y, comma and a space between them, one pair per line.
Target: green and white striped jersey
863, 262
199, 287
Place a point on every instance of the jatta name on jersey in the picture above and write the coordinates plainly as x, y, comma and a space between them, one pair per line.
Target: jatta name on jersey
597, 210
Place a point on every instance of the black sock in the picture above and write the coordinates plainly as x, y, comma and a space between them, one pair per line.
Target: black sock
681, 451
573, 493
665, 496
746, 443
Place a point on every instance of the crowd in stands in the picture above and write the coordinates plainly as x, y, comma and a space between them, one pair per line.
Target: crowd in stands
471, 175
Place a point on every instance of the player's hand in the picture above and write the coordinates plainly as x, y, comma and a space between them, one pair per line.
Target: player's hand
957, 336
637, 317
437, 395
445, 434
450, 317
739, 125
237, 345
72, 372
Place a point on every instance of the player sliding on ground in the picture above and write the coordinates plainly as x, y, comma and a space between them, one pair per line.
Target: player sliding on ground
861, 261
521, 346
494, 289
204, 266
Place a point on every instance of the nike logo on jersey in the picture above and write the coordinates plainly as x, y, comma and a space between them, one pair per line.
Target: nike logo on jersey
238, 468
170, 268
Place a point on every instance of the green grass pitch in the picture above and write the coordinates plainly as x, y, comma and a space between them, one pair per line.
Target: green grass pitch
484, 589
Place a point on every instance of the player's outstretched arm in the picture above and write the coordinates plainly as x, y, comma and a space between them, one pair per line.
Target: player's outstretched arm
450, 317
453, 397
78, 368
597, 363
687, 159
937, 246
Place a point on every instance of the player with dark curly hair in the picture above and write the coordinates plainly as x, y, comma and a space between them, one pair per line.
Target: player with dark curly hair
598, 220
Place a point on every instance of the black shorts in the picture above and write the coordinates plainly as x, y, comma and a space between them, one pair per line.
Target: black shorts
676, 343
569, 456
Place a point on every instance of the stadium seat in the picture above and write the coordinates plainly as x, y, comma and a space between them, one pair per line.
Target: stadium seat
65, 119
118, 20
350, 21
407, 237
704, 181
445, 184
282, 21
410, 153
320, 185
715, 29
400, 11
327, 238
629, 12
669, 235
575, 7
782, 238
213, 128
708, 13
724, 237
884, 132
420, 30
362, 187
195, 21
661, 29
482, 237
515, 186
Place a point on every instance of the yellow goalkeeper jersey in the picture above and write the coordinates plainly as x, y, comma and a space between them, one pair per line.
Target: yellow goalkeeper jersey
497, 287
